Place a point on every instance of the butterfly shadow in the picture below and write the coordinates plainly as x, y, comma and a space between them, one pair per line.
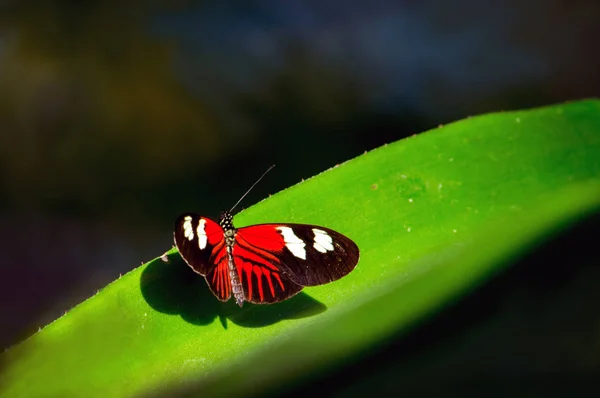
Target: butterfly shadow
173, 288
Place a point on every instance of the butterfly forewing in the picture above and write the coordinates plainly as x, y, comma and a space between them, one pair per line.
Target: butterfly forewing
200, 242
307, 254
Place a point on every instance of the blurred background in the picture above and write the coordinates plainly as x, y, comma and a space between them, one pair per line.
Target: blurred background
115, 117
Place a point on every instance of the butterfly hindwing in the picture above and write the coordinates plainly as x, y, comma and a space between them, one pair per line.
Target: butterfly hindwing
219, 281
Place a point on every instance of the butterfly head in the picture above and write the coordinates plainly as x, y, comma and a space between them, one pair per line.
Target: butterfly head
226, 220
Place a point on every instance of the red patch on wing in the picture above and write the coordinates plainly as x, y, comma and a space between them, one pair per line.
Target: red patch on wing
255, 255
214, 232
265, 236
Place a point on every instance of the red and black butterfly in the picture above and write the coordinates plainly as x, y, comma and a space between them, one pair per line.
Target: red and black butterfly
264, 263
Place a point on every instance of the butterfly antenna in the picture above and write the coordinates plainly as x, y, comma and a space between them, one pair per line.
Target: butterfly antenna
250, 189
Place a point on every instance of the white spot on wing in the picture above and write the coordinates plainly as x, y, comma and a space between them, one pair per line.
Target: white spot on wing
188, 229
323, 242
293, 243
202, 239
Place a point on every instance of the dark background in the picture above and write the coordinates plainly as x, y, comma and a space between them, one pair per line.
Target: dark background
115, 117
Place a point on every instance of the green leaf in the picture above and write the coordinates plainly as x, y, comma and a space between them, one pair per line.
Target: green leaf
434, 216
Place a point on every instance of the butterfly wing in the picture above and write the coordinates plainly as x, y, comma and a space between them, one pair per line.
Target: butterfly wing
219, 281
286, 257
201, 244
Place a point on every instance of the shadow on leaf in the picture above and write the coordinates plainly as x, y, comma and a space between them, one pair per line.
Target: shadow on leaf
173, 288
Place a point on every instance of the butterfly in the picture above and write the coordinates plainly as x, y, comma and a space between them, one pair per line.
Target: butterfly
264, 263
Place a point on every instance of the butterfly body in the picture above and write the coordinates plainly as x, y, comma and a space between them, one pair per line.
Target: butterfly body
264, 263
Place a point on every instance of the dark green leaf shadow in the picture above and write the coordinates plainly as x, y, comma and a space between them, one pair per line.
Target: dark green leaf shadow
173, 288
